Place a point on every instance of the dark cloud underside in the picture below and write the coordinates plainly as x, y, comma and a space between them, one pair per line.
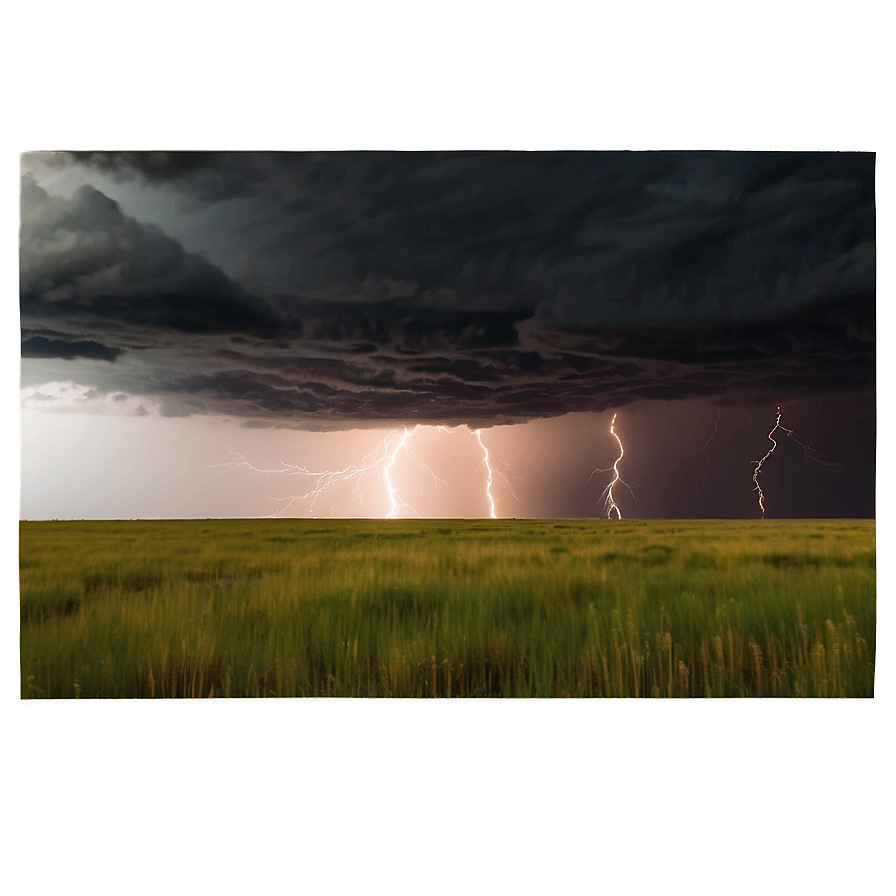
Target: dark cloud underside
462, 287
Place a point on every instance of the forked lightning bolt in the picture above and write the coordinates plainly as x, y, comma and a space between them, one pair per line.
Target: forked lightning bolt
809, 453
610, 504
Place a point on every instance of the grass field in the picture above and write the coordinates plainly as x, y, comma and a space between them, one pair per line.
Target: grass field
429, 608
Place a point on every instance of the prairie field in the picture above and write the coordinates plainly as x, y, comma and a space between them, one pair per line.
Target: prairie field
447, 608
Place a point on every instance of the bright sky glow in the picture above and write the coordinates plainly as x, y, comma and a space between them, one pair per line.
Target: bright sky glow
89, 456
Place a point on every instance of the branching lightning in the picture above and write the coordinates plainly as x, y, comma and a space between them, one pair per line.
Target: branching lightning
610, 504
383, 458
808, 451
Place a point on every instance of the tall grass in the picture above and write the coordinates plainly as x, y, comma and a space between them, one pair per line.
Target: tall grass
447, 608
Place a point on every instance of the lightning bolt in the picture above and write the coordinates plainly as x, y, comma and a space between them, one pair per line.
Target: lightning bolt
610, 504
491, 473
391, 491
756, 486
488, 466
808, 452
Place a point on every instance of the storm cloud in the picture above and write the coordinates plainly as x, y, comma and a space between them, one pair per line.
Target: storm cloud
36, 346
456, 287
87, 267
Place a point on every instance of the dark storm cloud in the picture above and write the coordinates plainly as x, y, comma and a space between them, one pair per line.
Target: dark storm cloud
212, 176
589, 237
469, 287
43, 347
88, 269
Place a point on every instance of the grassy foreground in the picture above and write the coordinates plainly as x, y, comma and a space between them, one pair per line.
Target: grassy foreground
420, 608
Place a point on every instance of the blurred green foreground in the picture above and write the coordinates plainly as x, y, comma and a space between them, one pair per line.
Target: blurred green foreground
445, 608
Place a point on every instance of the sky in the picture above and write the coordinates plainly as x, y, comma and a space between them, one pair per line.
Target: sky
205, 333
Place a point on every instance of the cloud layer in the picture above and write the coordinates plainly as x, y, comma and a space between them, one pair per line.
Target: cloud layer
458, 287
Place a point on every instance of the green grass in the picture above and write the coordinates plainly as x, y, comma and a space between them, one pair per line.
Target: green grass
447, 608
